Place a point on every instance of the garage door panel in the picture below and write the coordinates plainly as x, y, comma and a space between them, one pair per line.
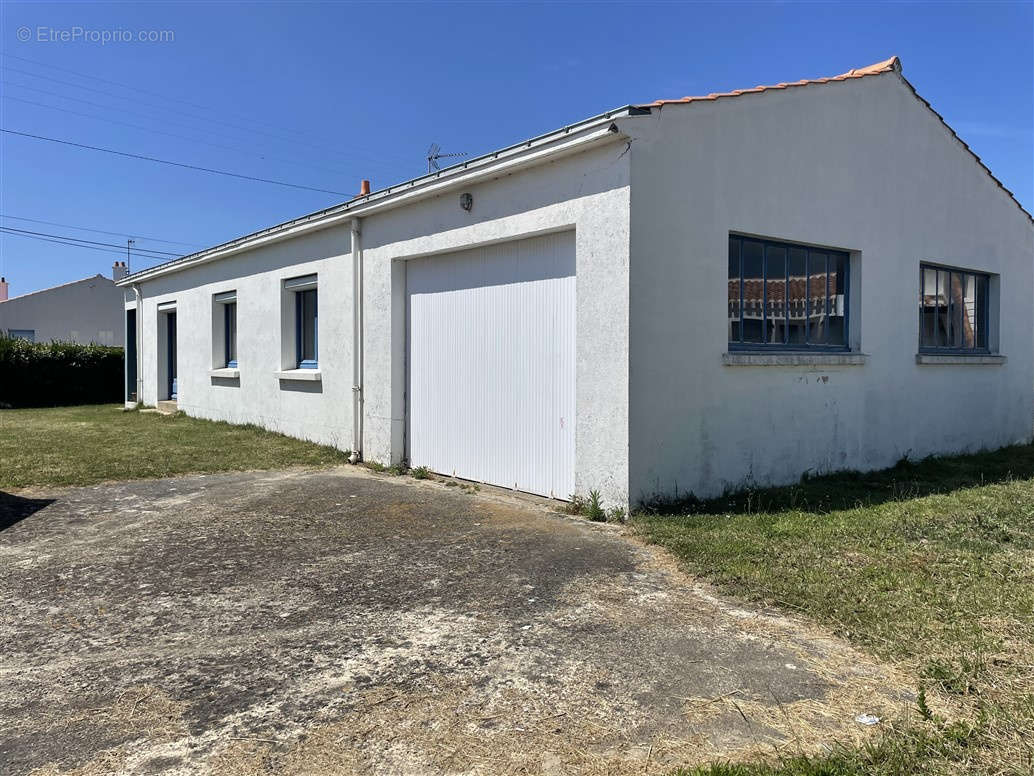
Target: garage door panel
491, 364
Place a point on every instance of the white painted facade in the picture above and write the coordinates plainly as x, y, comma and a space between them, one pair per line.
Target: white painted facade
84, 311
646, 200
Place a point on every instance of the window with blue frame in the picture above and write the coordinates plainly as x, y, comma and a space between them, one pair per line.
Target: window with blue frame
306, 329
953, 310
230, 333
784, 296
224, 318
22, 334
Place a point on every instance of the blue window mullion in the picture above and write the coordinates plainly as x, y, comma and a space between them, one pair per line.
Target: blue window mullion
764, 294
786, 297
740, 242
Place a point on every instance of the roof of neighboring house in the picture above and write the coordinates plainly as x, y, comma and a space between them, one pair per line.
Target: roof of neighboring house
892, 65
60, 285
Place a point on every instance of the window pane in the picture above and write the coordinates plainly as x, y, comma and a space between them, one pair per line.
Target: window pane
307, 300
817, 324
837, 299
775, 294
980, 319
942, 336
798, 296
928, 308
753, 291
956, 308
967, 309
231, 333
734, 290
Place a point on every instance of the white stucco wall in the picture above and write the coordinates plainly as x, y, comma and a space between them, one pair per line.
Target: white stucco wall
862, 166
318, 411
587, 192
86, 311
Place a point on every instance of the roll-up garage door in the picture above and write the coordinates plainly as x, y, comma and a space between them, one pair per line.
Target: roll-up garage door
491, 364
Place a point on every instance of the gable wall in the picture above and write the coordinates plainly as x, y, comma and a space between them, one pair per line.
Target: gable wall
862, 166
89, 311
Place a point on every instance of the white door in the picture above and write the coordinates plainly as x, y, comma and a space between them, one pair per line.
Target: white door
492, 364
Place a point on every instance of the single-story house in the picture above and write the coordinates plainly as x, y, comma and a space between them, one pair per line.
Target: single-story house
689, 295
86, 311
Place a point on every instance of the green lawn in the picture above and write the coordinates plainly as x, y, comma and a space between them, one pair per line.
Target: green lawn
927, 565
91, 444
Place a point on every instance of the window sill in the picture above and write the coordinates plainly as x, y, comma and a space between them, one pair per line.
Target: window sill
230, 373
983, 359
311, 375
794, 359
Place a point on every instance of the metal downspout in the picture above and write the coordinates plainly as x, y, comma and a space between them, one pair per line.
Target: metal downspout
357, 341
139, 341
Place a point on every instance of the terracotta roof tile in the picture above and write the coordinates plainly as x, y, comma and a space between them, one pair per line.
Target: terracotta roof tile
892, 65
886, 66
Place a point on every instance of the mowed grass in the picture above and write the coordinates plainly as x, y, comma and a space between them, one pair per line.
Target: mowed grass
927, 565
90, 444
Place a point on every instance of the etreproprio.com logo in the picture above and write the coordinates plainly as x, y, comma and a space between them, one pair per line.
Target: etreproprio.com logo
77, 34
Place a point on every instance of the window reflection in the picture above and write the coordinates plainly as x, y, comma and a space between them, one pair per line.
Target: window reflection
786, 295
952, 309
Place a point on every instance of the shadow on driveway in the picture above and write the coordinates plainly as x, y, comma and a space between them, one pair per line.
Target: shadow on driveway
14, 509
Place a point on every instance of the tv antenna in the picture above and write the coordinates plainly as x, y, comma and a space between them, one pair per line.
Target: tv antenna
434, 153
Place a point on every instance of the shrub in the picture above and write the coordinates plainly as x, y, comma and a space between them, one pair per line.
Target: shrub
50, 374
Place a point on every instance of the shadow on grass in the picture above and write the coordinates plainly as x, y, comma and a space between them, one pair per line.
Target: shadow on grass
848, 490
14, 509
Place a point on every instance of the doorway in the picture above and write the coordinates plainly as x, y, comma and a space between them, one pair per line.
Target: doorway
170, 339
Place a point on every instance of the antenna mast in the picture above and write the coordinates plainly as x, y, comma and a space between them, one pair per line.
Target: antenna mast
434, 153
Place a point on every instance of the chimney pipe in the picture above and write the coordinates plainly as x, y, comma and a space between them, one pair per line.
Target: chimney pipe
364, 188
119, 270
3, 289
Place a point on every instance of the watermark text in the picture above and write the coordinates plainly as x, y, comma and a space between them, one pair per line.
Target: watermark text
102, 37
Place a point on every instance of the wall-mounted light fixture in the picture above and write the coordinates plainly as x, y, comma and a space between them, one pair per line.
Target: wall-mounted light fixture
466, 201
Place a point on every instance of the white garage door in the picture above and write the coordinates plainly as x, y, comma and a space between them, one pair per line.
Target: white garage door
492, 364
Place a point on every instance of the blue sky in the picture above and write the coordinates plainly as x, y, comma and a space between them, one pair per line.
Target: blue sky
322, 95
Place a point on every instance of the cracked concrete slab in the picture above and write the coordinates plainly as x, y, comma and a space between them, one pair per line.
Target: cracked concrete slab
337, 622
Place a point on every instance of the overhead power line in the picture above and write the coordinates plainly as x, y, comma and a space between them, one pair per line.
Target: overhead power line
236, 148
10, 229
171, 163
115, 251
207, 119
84, 76
134, 235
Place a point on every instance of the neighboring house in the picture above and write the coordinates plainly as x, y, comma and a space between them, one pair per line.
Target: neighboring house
86, 311
686, 296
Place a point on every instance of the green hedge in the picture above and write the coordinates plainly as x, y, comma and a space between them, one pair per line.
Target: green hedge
49, 374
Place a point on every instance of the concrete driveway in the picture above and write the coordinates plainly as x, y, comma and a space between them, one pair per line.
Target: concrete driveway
342, 622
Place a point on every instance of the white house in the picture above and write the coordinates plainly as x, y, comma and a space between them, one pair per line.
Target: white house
693, 294
84, 311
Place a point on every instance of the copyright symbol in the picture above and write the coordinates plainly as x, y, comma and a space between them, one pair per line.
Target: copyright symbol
24, 33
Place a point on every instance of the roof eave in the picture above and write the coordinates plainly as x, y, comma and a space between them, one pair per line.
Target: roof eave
537, 150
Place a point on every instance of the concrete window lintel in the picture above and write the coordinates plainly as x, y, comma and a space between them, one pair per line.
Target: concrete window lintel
983, 359
311, 375
794, 359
